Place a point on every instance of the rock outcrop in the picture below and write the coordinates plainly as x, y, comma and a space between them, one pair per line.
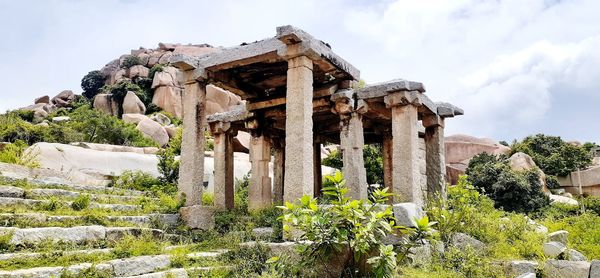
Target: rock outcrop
133, 105
459, 149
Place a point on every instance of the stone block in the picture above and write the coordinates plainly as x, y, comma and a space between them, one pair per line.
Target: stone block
566, 269
405, 213
554, 249
11, 191
464, 241
67, 235
574, 255
519, 268
139, 265
559, 236
198, 217
263, 233
595, 269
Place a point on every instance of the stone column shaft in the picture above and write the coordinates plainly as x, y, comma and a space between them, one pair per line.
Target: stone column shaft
318, 173
434, 156
259, 192
351, 144
405, 164
278, 174
191, 172
223, 159
387, 164
299, 175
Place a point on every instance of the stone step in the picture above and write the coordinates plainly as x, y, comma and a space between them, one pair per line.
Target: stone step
41, 219
39, 193
9, 201
77, 235
33, 255
141, 266
46, 183
178, 272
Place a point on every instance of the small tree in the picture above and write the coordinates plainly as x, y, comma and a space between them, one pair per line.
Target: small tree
553, 155
510, 190
92, 83
130, 61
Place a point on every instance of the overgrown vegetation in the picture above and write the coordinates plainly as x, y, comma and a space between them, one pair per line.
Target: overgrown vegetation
92, 83
553, 155
16, 153
519, 191
372, 155
349, 233
86, 124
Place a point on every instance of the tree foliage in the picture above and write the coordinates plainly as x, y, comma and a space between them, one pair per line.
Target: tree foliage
511, 190
92, 83
553, 155
372, 155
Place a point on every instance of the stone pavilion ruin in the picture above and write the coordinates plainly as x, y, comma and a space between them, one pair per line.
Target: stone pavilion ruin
299, 94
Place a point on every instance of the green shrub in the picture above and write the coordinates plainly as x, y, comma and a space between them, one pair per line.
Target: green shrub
510, 190
26, 115
168, 167
136, 180
52, 204
208, 199
154, 69
584, 232
16, 153
92, 83
98, 127
81, 202
130, 61
552, 182
372, 155
131, 246
355, 225
248, 261
553, 155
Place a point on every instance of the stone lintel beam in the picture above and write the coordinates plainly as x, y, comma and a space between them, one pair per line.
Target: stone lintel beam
447, 110
260, 51
301, 43
184, 62
402, 98
382, 89
237, 113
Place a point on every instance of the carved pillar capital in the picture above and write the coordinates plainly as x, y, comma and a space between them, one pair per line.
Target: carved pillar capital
403, 98
219, 127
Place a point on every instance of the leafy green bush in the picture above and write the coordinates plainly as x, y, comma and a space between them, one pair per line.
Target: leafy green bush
16, 153
168, 167
52, 204
552, 182
553, 155
81, 202
584, 232
98, 127
510, 190
372, 155
154, 69
92, 83
136, 180
131, 246
354, 225
130, 61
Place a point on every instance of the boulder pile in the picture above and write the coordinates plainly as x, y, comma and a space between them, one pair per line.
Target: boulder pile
42, 106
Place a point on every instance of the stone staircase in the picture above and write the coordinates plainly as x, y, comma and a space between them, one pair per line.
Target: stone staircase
115, 233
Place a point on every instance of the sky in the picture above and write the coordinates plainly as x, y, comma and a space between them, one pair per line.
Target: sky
516, 67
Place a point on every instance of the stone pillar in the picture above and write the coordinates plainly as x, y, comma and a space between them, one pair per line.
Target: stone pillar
223, 161
278, 173
191, 171
387, 164
317, 171
259, 191
299, 175
352, 142
405, 146
434, 156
